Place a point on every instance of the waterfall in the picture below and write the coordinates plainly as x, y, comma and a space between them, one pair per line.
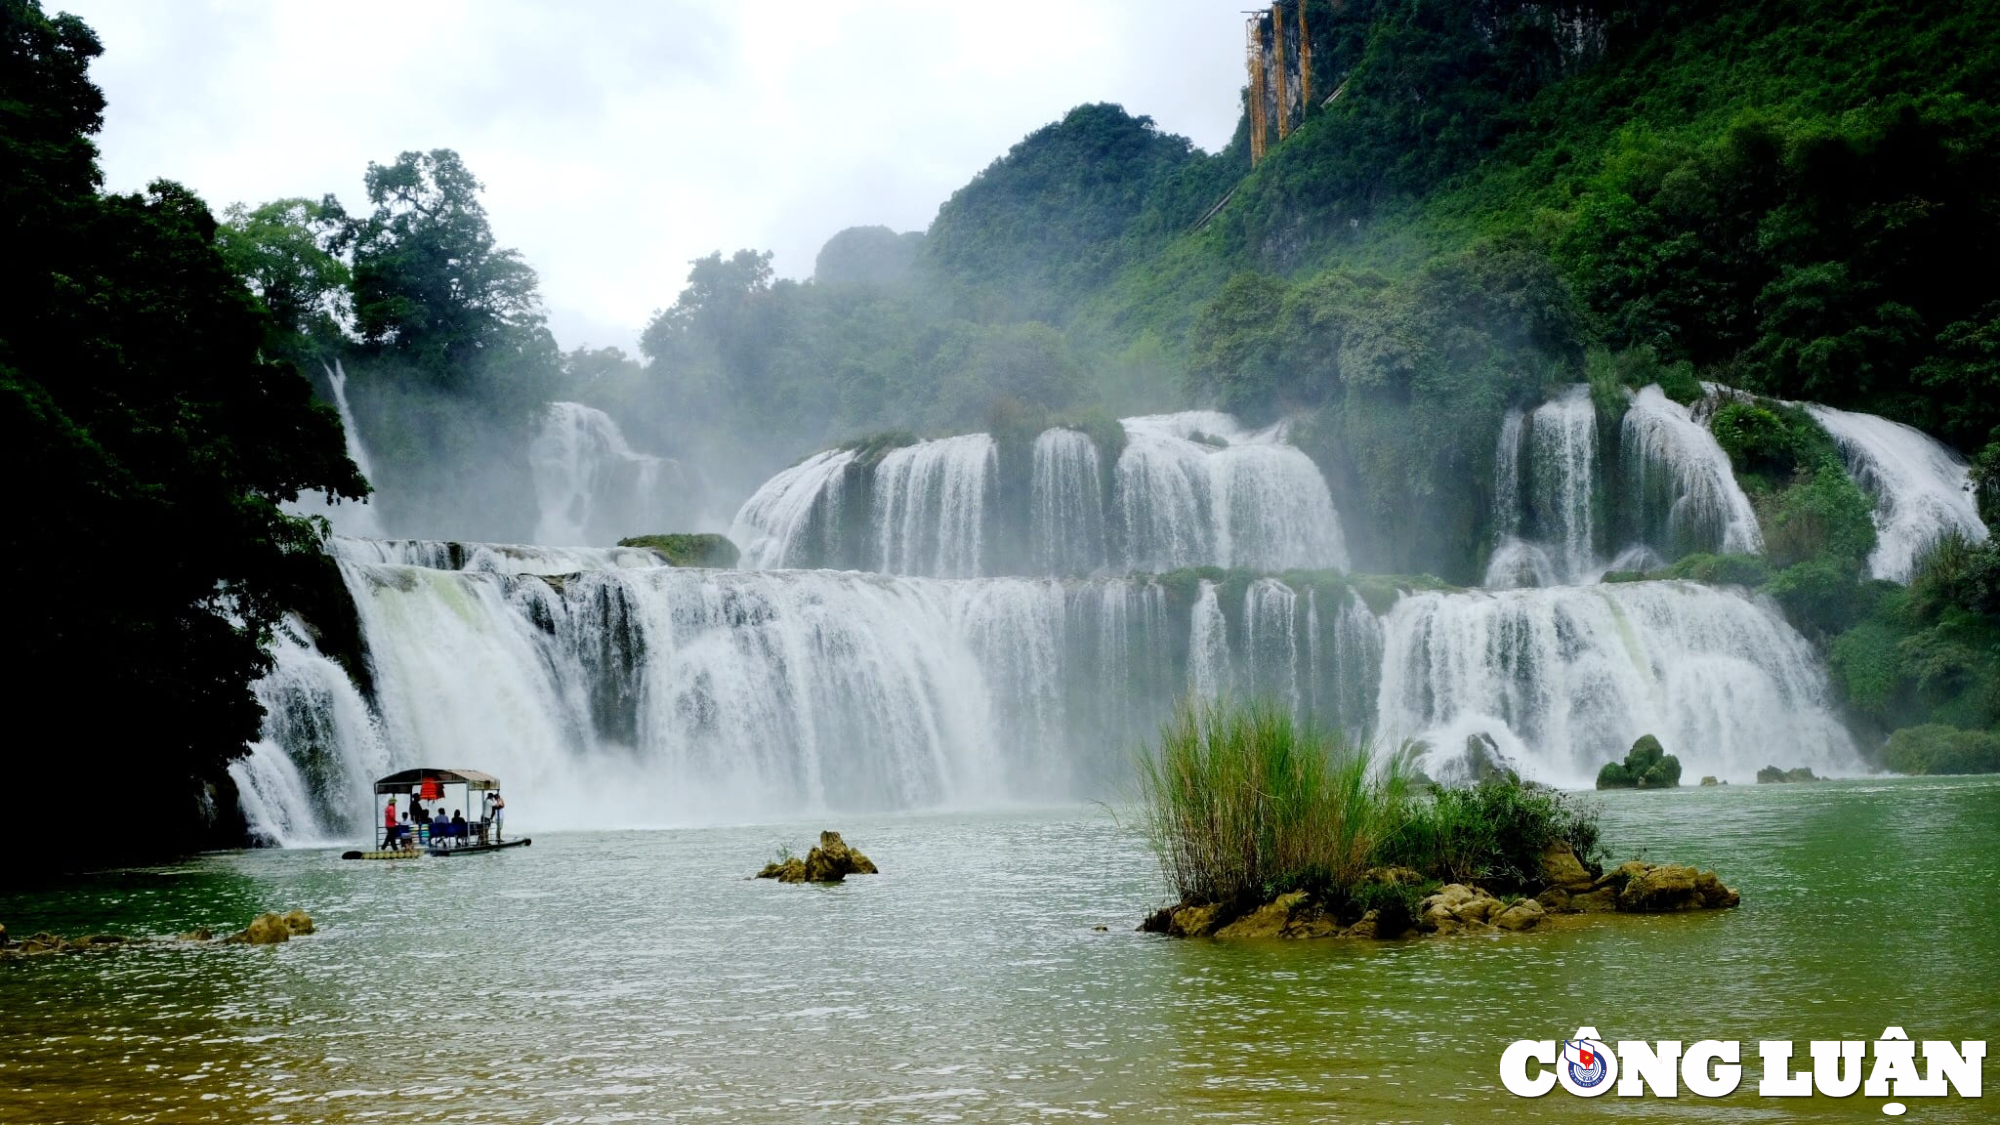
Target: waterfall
1208, 645
619, 691
1566, 679
1562, 476
1190, 489
1545, 510
929, 511
1507, 476
1195, 489
1920, 486
1066, 522
590, 487
794, 519
1270, 664
490, 558
351, 517
1681, 482
310, 770
647, 695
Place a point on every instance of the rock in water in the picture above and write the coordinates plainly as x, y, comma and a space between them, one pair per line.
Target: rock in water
265, 929
1667, 888
1646, 766
1483, 760
1523, 915
791, 869
830, 862
1561, 868
1772, 775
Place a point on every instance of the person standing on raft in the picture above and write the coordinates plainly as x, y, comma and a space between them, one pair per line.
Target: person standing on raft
496, 807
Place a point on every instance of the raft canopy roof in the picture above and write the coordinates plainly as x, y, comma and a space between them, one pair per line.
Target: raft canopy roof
402, 782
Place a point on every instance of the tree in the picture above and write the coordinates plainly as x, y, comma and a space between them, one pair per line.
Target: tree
430, 285
284, 251
149, 444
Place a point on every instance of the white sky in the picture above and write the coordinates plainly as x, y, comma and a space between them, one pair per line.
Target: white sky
618, 140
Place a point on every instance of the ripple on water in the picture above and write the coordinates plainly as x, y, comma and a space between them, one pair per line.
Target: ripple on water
641, 976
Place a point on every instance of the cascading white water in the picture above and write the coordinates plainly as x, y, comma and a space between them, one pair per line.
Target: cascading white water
1195, 489
1270, 664
1208, 646
349, 517
1066, 524
1566, 679
1555, 484
652, 694
1920, 486
929, 513
660, 694
1562, 473
309, 771
590, 487
1682, 483
490, 558
1191, 489
793, 517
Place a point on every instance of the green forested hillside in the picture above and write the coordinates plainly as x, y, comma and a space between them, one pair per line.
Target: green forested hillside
1793, 198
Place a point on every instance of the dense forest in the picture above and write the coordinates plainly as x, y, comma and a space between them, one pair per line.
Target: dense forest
151, 432
1491, 199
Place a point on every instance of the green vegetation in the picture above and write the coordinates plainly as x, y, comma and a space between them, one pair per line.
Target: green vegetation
1243, 804
699, 549
1493, 834
1936, 748
140, 406
1646, 766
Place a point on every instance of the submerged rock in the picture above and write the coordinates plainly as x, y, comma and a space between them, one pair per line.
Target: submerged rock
831, 862
272, 929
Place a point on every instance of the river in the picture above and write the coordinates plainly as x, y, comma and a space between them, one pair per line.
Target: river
639, 976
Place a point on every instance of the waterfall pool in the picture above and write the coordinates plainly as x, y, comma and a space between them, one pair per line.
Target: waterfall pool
642, 976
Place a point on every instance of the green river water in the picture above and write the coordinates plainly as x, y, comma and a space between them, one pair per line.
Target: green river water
639, 976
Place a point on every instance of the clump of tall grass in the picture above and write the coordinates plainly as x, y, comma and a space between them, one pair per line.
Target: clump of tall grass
1242, 804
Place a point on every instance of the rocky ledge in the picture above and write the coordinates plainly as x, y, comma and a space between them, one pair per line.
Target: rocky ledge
831, 862
1395, 902
265, 929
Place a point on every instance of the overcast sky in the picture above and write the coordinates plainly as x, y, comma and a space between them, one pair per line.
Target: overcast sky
617, 141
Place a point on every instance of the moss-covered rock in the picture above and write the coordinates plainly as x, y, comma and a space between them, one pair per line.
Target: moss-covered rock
1646, 766
1772, 775
702, 549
